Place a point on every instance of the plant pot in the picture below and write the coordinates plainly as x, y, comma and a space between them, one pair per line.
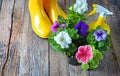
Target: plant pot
73, 61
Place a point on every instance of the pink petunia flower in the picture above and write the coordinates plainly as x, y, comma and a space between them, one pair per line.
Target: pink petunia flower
84, 54
56, 25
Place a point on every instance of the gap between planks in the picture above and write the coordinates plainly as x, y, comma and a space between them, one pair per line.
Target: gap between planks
8, 50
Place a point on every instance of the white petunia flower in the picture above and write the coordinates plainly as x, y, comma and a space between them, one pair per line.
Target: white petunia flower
63, 39
80, 6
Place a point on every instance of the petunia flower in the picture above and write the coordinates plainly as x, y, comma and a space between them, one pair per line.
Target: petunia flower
84, 54
63, 39
82, 28
56, 25
100, 35
63, 25
80, 6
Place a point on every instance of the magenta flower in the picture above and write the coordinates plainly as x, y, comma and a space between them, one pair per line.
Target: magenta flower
56, 25
63, 26
84, 54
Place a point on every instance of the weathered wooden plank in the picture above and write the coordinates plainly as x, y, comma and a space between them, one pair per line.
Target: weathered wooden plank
58, 64
0, 3
5, 28
108, 66
12, 65
77, 71
28, 54
114, 22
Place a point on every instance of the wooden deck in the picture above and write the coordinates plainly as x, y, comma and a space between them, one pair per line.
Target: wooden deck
22, 53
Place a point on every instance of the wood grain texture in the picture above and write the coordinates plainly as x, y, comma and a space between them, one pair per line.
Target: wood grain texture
5, 29
114, 22
77, 71
11, 67
107, 66
23, 53
58, 64
0, 3
28, 54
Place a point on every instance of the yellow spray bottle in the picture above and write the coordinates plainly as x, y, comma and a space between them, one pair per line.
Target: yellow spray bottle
101, 18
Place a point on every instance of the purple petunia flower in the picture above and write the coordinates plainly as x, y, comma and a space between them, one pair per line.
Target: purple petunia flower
82, 28
56, 25
100, 35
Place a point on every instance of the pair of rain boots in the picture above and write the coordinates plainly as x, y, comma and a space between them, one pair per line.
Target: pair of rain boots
43, 13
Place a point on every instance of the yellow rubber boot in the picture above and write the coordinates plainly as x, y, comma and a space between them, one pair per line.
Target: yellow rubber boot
40, 21
53, 10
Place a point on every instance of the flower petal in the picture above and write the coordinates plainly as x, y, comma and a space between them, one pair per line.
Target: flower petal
82, 28
63, 26
84, 53
100, 35
63, 39
54, 26
80, 6
81, 49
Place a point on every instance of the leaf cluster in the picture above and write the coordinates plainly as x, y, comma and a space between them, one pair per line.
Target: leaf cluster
70, 22
98, 47
92, 64
103, 45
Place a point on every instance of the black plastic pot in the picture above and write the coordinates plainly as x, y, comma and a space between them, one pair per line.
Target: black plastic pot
73, 61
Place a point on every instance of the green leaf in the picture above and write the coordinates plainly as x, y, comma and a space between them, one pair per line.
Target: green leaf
93, 42
91, 38
68, 54
61, 20
52, 34
107, 42
103, 49
89, 61
98, 27
60, 28
85, 66
71, 50
98, 56
94, 64
72, 33
74, 17
76, 36
101, 44
55, 47
93, 49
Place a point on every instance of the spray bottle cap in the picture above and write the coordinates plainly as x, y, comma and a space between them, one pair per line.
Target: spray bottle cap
101, 10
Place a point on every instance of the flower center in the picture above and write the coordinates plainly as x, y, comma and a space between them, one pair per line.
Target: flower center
100, 34
62, 39
85, 54
56, 26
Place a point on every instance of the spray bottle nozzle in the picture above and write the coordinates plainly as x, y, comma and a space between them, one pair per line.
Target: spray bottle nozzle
99, 9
